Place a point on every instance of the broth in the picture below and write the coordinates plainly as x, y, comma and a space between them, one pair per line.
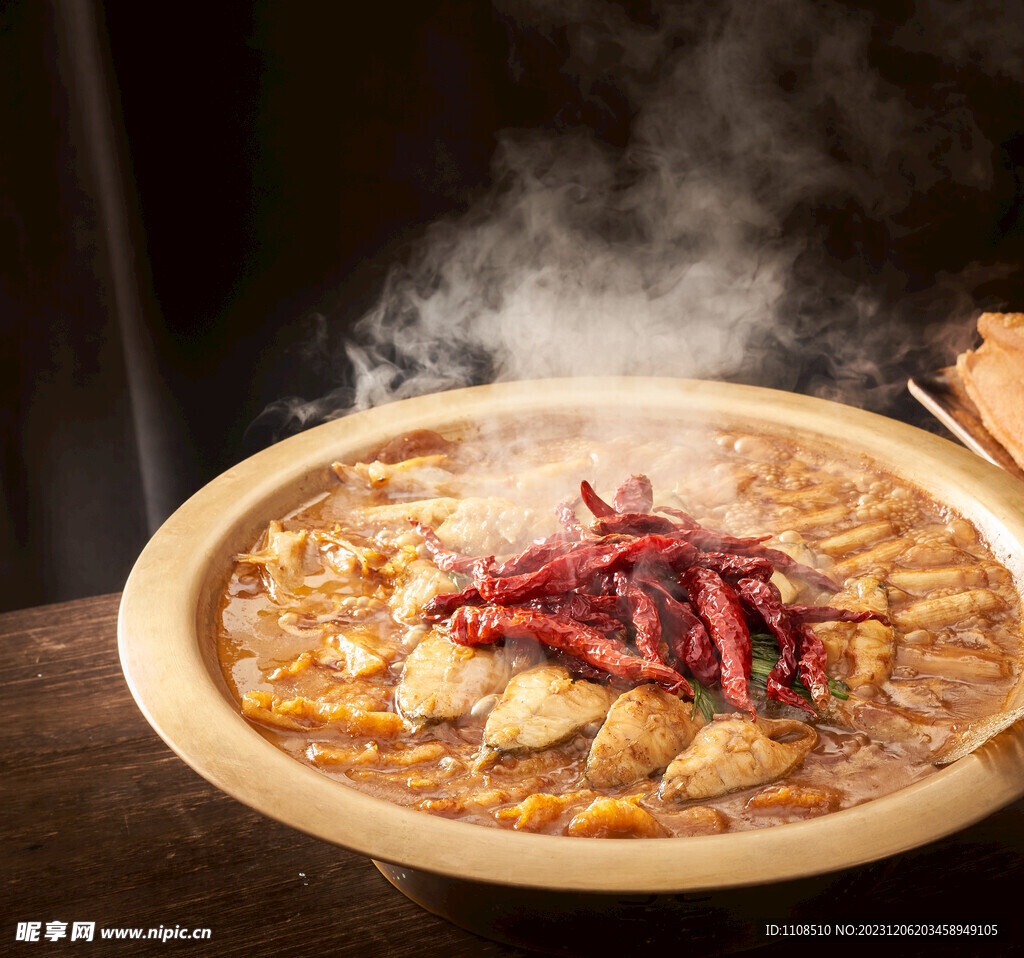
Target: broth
323, 638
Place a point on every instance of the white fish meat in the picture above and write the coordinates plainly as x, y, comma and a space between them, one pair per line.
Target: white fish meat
645, 729
543, 707
734, 753
416, 585
480, 526
442, 680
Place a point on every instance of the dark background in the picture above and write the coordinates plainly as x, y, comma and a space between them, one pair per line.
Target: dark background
185, 188
269, 157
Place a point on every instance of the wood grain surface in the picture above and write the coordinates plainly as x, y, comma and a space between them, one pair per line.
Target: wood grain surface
104, 824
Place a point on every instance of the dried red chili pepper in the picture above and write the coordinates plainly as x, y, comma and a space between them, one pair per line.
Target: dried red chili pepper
570, 584
575, 570
441, 606
603, 612
634, 495
529, 560
765, 599
735, 567
565, 573
806, 614
644, 615
568, 520
577, 667
477, 626
633, 524
721, 613
449, 561
683, 630
594, 502
813, 660
696, 649
789, 566
601, 585
708, 541
532, 558
684, 519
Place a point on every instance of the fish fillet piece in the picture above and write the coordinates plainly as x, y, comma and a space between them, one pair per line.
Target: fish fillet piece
479, 526
417, 584
645, 729
442, 680
544, 706
734, 753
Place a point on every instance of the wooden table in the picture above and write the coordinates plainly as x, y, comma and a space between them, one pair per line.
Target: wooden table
104, 824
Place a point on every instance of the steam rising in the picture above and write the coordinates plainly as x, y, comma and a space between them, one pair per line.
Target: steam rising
728, 237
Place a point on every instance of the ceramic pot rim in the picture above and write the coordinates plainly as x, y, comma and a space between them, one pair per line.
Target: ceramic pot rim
169, 661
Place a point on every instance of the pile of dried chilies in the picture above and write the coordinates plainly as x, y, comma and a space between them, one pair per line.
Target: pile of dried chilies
644, 596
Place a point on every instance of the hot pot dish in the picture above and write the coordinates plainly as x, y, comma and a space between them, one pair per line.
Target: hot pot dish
666, 611
602, 629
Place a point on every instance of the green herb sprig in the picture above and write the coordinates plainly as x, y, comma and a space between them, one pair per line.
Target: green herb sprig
703, 700
765, 656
